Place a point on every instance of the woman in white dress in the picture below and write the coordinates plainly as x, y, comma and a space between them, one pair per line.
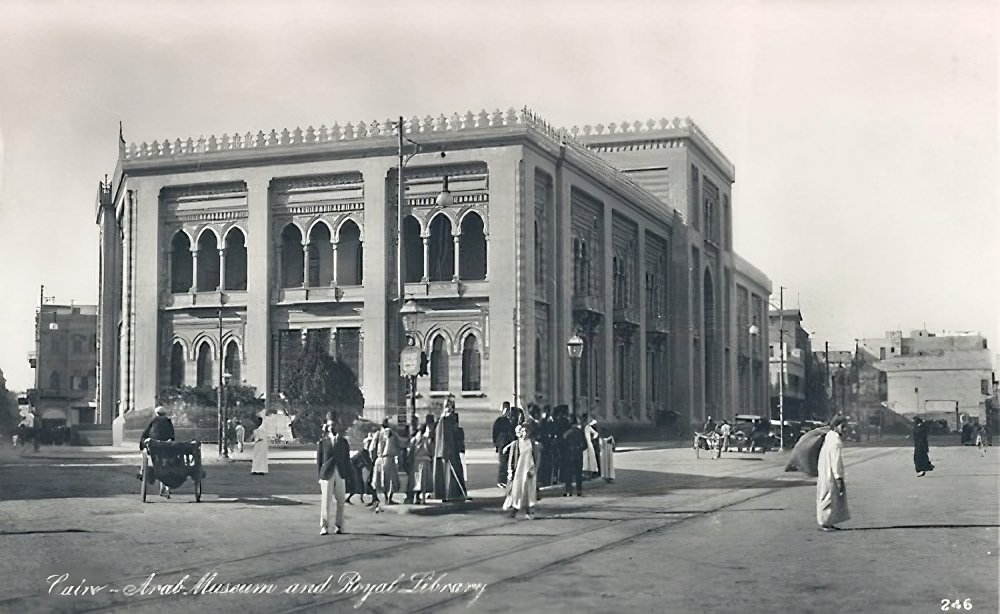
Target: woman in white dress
259, 466
590, 466
522, 473
607, 445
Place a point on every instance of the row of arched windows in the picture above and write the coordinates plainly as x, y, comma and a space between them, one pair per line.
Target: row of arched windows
325, 259
207, 267
322, 260
443, 255
471, 365
205, 359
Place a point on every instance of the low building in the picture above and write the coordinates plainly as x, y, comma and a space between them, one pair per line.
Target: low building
65, 364
944, 375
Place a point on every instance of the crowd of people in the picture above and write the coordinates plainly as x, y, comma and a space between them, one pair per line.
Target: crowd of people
545, 446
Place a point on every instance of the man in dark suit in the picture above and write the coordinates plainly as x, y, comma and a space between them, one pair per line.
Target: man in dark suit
503, 434
333, 457
574, 442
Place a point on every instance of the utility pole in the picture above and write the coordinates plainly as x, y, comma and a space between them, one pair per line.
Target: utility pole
826, 363
781, 375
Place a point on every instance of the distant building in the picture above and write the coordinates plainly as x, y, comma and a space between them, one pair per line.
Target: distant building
936, 375
65, 364
241, 250
797, 362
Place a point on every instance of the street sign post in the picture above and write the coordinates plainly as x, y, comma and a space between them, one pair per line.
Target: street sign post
409, 361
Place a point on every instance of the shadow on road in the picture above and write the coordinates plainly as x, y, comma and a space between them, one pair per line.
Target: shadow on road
923, 526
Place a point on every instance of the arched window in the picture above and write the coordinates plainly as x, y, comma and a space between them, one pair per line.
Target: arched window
472, 248
208, 262
413, 250
236, 260
442, 249
232, 362
350, 255
471, 367
320, 256
439, 365
54, 382
181, 263
177, 365
205, 364
291, 257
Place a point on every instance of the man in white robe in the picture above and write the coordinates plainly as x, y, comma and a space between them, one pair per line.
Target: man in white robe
831, 496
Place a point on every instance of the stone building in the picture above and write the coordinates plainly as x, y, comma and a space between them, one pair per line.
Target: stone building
797, 362
241, 249
65, 364
936, 375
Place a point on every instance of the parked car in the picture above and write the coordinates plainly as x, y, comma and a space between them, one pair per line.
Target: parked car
747, 433
791, 433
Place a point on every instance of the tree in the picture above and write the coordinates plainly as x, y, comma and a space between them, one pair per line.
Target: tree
9, 416
317, 384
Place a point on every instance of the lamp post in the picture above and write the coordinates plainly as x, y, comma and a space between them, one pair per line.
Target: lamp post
575, 349
410, 357
226, 378
223, 452
444, 199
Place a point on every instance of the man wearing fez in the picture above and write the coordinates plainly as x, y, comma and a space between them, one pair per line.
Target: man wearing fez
447, 462
503, 434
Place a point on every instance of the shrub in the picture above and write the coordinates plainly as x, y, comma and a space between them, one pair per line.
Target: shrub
317, 385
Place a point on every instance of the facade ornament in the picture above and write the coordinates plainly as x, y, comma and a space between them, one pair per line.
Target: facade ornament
454, 122
469, 121
201, 144
483, 119
284, 138
427, 125
599, 129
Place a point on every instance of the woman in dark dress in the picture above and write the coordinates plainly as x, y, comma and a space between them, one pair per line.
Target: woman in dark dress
921, 462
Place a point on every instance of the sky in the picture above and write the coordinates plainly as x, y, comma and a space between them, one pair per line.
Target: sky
864, 134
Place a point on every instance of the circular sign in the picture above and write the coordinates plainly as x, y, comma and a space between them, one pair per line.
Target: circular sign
409, 361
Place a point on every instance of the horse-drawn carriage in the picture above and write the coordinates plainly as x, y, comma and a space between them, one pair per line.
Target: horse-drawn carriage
171, 463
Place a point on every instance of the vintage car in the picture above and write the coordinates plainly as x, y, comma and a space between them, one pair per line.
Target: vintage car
748, 436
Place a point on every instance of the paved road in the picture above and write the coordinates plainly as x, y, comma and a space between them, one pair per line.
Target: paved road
672, 534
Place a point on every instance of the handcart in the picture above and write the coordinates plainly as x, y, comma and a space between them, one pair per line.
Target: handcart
172, 463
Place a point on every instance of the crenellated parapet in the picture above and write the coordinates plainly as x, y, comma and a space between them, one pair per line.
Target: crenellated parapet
335, 133
413, 126
651, 134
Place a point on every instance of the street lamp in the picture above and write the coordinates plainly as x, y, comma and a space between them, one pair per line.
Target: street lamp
444, 199
410, 313
575, 349
226, 377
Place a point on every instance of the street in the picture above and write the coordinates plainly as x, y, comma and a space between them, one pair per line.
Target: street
672, 534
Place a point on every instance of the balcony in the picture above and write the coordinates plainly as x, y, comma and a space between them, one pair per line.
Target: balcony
589, 304
627, 316
658, 325
187, 300
33, 359
319, 294
448, 289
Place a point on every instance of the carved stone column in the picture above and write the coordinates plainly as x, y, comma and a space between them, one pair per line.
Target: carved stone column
305, 265
427, 259
486, 265
333, 278
222, 270
455, 238
194, 271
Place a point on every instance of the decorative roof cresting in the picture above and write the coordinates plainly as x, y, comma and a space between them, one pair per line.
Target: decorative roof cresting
414, 125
